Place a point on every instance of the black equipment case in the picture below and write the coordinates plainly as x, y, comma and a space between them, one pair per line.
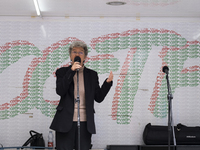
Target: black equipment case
158, 135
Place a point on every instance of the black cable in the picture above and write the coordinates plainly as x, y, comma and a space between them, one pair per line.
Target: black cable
1, 145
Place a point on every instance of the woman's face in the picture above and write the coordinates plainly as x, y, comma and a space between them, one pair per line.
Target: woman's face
77, 51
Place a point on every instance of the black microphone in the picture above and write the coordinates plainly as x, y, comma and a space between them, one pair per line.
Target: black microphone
77, 59
165, 69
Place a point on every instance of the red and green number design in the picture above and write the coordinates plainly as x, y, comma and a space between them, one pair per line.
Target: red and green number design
175, 51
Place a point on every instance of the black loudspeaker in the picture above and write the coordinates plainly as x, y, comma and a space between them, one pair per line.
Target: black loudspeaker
156, 147
188, 147
122, 147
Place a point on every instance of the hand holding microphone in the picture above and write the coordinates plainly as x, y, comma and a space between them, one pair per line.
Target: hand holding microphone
77, 63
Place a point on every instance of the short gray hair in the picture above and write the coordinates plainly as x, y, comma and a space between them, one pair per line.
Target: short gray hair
78, 44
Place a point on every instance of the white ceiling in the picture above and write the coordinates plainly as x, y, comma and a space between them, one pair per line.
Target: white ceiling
99, 8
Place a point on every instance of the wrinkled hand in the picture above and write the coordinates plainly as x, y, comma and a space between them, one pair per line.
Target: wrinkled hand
76, 66
110, 78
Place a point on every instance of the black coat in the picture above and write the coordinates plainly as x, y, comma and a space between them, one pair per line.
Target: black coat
63, 118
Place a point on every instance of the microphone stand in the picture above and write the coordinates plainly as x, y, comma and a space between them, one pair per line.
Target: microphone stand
170, 97
78, 116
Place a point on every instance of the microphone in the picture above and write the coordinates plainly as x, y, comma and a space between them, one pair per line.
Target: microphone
77, 59
165, 69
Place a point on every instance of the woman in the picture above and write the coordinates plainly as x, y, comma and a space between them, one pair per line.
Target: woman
65, 119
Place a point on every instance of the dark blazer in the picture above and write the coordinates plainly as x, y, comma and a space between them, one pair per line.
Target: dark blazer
63, 118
